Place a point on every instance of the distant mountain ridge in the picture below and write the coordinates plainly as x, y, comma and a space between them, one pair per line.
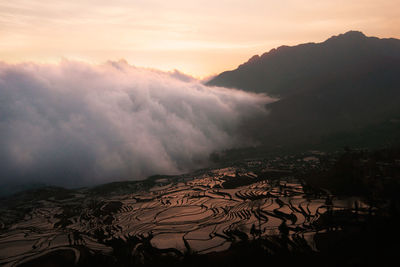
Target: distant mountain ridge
279, 71
346, 88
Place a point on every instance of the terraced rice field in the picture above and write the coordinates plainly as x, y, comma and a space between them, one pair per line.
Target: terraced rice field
203, 213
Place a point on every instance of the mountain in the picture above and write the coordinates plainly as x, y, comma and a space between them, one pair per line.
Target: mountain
345, 90
287, 70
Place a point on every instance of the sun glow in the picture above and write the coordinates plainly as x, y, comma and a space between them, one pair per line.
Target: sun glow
197, 37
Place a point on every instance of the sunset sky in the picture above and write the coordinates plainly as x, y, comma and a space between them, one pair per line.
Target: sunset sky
200, 38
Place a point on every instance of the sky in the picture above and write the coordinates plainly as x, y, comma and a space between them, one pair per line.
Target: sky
200, 38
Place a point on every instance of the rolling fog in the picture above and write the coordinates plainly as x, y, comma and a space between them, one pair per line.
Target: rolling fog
75, 124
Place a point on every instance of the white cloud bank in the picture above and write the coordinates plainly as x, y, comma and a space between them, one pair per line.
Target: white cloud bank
77, 124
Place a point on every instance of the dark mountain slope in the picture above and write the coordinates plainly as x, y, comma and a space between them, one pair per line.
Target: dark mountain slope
287, 70
346, 88
349, 108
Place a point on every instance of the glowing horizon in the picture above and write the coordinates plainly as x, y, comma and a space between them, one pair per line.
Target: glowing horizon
198, 38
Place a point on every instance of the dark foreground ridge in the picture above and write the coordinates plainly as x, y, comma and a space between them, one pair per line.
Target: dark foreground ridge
314, 209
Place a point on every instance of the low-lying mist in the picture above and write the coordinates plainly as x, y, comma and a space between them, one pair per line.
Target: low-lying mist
75, 124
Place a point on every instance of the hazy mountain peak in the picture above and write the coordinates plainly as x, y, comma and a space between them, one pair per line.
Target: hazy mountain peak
353, 34
348, 36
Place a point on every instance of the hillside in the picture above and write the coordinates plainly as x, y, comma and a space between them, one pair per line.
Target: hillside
344, 91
